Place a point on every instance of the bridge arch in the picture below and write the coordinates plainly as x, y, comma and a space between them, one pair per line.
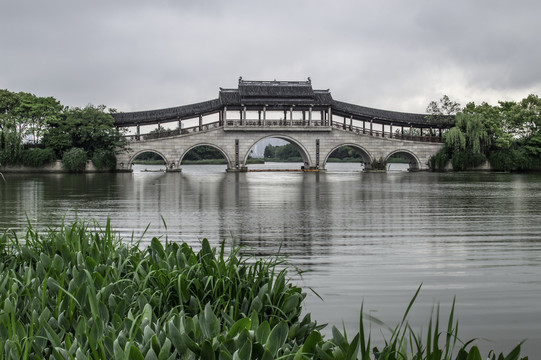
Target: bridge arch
365, 154
297, 144
413, 160
136, 154
230, 165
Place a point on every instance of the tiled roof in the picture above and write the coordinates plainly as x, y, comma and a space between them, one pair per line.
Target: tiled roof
278, 94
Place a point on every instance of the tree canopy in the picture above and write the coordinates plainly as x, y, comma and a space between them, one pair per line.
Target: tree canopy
508, 135
30, 122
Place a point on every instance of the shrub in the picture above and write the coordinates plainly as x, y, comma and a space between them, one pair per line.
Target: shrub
439, 161
38, 157
104, 159
504, 160
379, 164
77, 291
466, 160
74, 160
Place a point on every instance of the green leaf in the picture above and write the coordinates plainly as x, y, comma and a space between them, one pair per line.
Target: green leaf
165, 351
244, 323
210, 325
312, 340
245, 352
176, 338
207, 353
134, 353
151, 355
353, 348
474, 354
277, 337
156, 246
262, 332
225, 355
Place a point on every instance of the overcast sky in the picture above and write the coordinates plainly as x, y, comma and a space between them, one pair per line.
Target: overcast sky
395, 55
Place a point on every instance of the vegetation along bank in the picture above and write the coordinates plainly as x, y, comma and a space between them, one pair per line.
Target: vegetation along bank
35, 131
79, 292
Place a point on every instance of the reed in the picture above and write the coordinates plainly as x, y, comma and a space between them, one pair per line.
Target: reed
80, 292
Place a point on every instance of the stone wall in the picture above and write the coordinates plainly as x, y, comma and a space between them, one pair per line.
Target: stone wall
174, 148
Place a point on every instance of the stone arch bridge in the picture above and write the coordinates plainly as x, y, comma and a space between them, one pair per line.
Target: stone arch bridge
311, 120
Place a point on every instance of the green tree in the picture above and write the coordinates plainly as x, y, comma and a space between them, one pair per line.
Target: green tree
287, 151
90, 128
11, 137
524, 118
74, 160
203, 152
493, 120
35, 113
270, 151
441, 111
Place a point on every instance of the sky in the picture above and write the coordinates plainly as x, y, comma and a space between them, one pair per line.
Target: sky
398, 55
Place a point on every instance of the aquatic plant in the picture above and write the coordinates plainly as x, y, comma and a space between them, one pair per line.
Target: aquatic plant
82, 293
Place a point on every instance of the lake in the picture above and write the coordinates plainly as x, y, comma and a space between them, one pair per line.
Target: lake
359, 237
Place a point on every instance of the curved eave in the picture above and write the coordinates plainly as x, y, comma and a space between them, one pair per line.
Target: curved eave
169, 114
387, 117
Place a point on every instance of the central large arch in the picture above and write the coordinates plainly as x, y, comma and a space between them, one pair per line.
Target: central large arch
305, 155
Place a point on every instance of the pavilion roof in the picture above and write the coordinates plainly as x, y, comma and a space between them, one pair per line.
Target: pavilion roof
277, 94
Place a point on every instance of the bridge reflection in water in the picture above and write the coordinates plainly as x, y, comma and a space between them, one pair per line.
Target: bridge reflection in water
311, 120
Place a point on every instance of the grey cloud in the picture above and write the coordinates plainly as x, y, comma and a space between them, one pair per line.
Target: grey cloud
136, 55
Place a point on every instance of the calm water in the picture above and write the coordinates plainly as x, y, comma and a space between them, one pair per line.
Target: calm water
372, 237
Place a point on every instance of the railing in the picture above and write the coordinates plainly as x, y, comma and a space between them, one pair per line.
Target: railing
273, 123
386, 134
168, 133
286, 123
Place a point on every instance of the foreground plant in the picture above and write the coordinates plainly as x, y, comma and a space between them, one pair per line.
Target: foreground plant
77, 293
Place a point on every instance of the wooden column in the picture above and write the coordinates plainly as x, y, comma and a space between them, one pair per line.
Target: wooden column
329, 112
224, 116
411, 131
200, 122
291, 116
264, 114
370, 127
391, 131
244, 115
344, 125
138, 132
351, 123
310, 116
364, 127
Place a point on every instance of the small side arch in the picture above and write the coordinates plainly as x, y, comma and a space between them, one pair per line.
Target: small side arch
413, 160
227, 159
135, 155
305, 155
365, 155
